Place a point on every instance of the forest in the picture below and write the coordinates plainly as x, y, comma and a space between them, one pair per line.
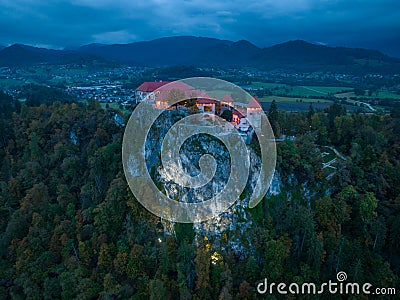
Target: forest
71, 228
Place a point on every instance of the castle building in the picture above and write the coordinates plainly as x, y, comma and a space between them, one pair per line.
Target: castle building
244, 117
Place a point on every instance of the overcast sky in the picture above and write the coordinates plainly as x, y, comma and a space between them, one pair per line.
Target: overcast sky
58, 23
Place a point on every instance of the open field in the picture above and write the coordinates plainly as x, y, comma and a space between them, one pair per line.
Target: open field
115, 106
381, 95
311, 91
387, 95
293, 99
53, 70
6, 84
305, 91
315, 92
303, 106
266, 85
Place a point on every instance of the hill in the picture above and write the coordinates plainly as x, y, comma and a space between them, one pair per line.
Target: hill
292, 56
159, 52
18, 54
303, 56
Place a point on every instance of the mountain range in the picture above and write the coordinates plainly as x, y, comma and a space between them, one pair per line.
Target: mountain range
291, 56
18, 54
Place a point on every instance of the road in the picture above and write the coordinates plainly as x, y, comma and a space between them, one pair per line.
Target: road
365, 104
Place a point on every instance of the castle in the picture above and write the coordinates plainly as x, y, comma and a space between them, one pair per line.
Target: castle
243, 116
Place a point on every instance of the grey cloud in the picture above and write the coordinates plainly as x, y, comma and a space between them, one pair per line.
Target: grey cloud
367, 23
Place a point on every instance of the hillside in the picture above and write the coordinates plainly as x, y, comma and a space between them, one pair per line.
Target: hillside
18, 54
71, 229
164, 51
292, 56
301, 55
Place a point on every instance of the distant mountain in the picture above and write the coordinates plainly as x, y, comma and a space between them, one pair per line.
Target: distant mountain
181, 50
297, 56
292, 56
18, 54
304, 56
159, 52
233, 54
90, 47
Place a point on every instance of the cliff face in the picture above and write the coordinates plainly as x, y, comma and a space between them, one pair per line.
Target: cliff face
237, 218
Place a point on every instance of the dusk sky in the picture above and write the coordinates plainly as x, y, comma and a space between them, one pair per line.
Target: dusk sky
363, 23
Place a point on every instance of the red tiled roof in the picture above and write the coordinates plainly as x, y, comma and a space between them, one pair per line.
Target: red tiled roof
199, 94
180, 85
238, 113
227, 98
176, 85
205, 101
165, 88
254, 103
149, 86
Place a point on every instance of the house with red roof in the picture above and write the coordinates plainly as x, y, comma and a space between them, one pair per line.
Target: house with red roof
254, 111
237, 116
167, 95
163, 93
146, 89
206, 105
226, 102
254, 105
245, 117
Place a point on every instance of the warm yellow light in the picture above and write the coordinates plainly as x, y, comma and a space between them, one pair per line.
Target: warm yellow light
215, 258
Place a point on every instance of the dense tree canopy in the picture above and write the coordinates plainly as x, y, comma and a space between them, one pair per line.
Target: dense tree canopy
70, 227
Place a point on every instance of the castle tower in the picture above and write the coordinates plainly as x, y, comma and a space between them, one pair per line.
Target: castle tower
254, 111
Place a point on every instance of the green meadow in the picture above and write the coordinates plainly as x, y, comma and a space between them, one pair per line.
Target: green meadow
293, 99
